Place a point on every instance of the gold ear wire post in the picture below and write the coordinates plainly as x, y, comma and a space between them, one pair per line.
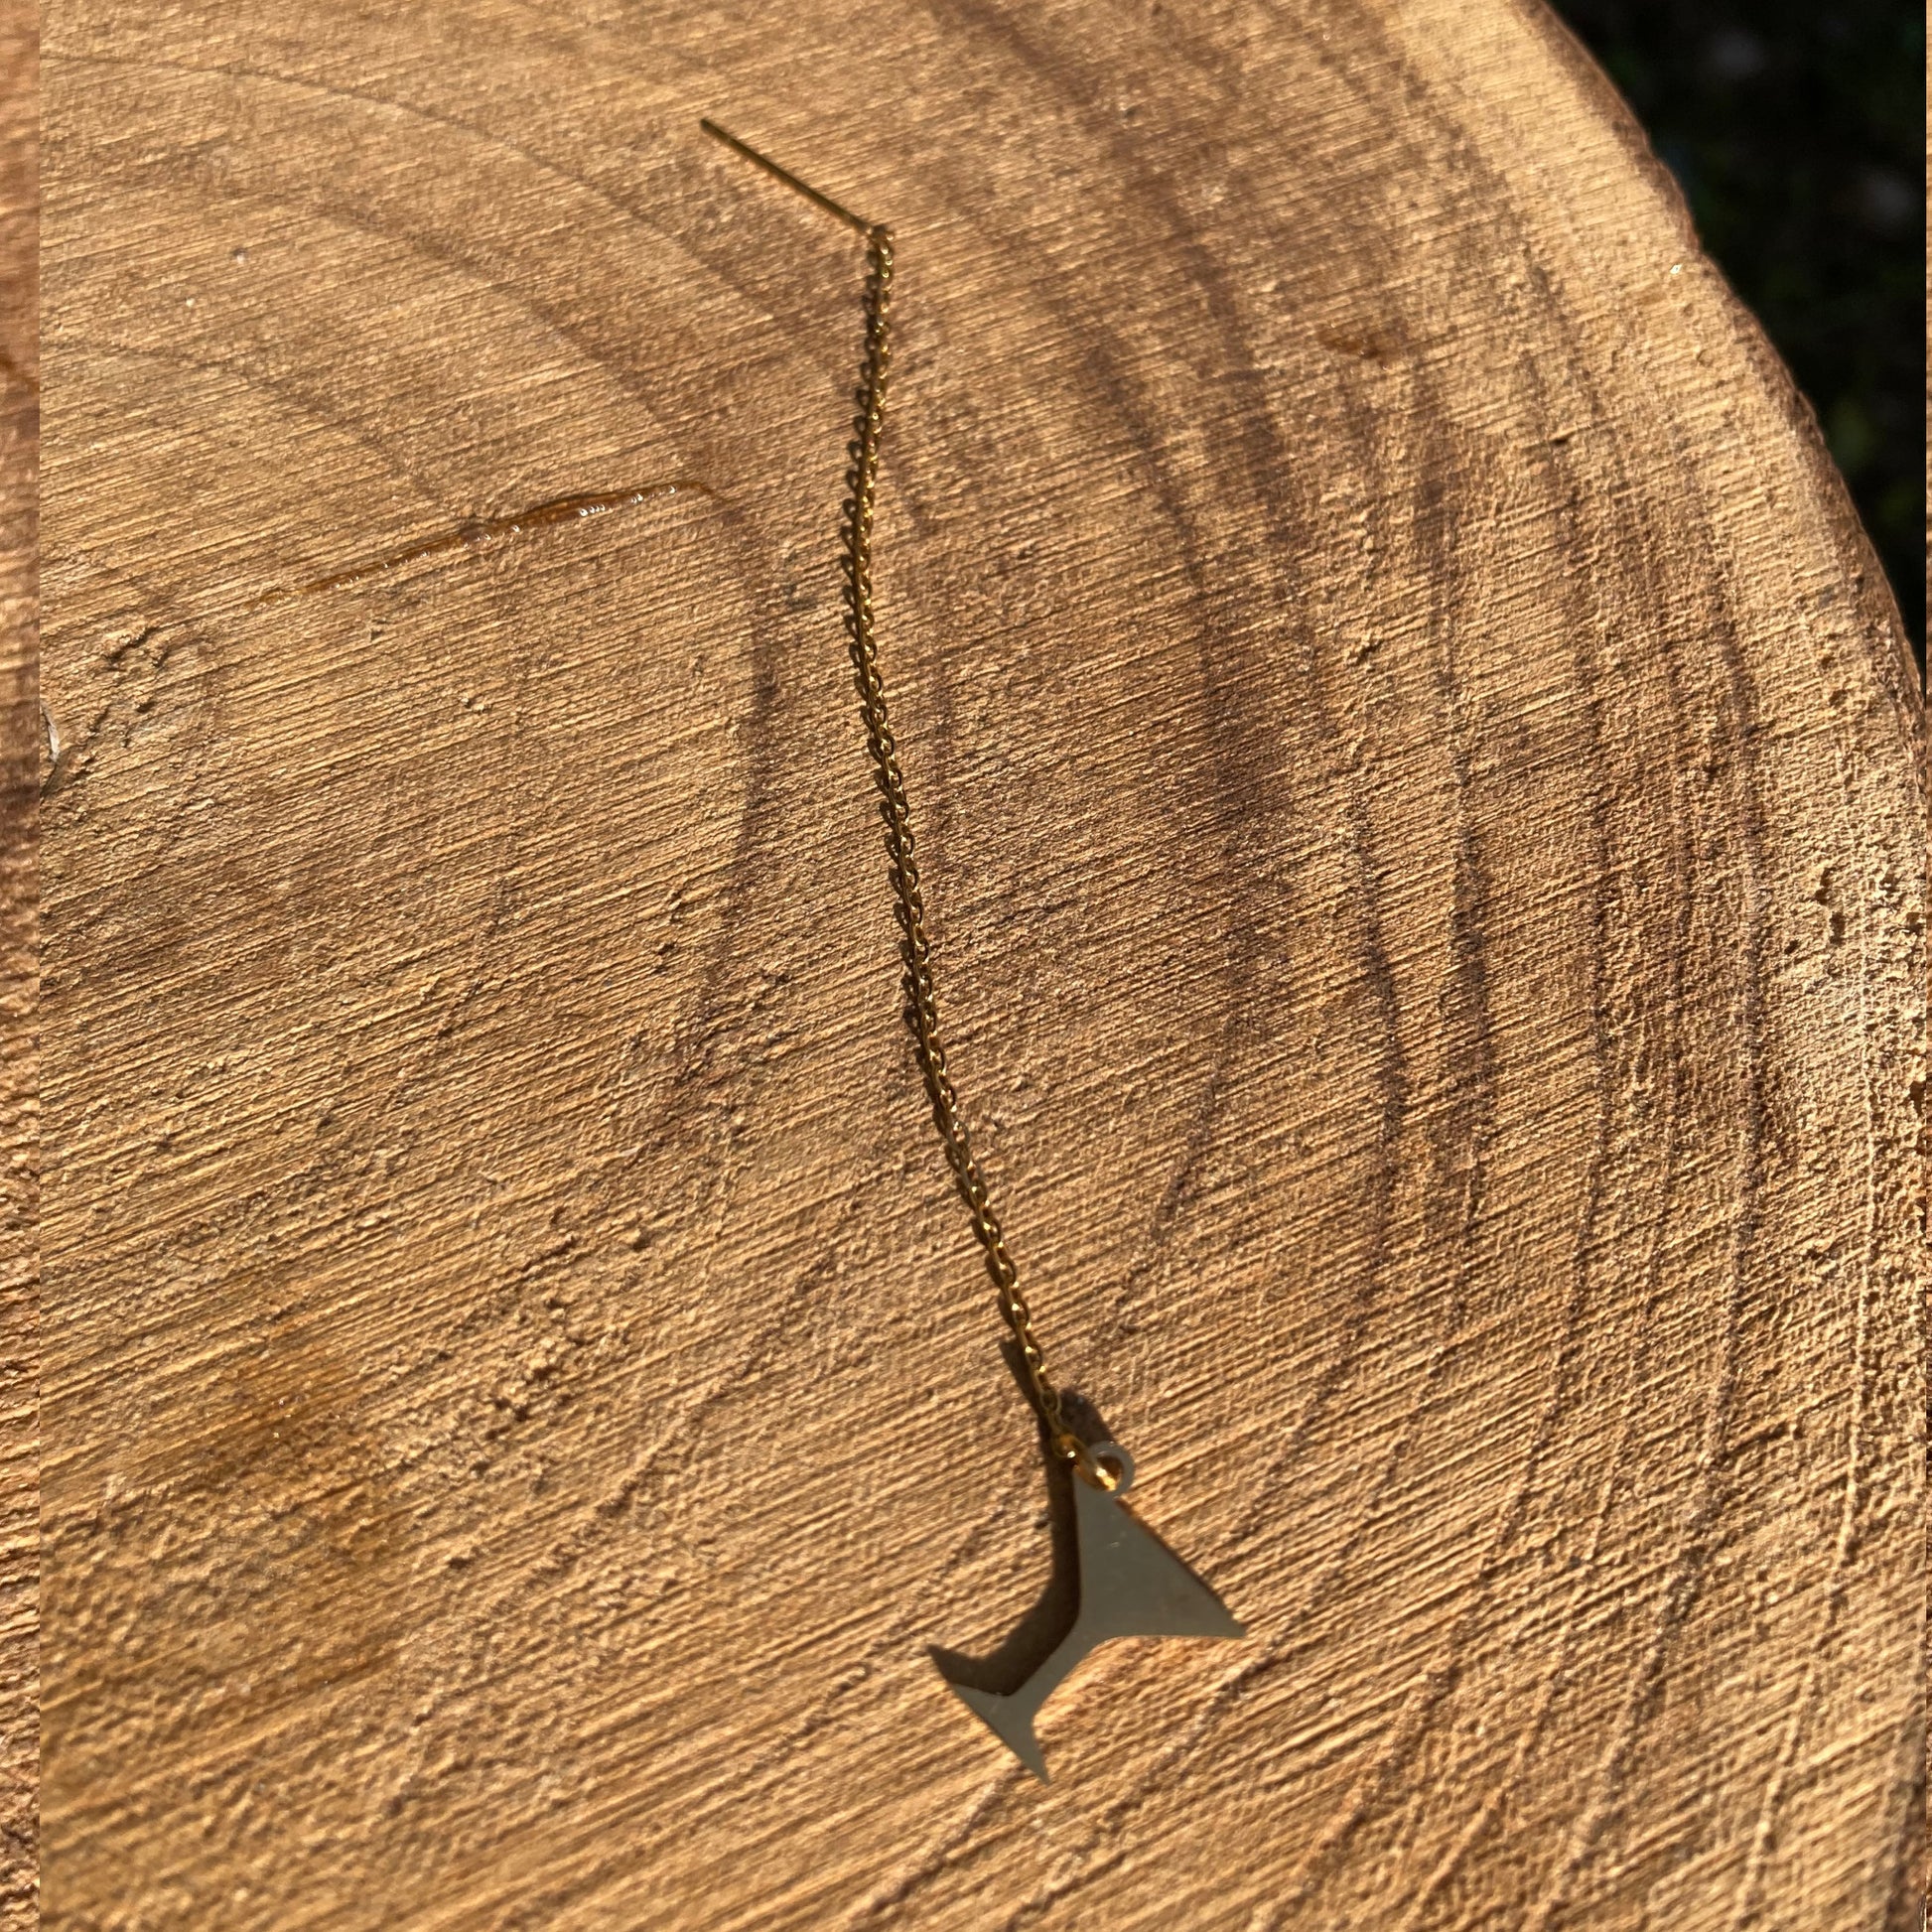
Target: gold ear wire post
770, 167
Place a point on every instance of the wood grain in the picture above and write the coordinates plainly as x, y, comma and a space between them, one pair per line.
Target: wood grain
1418, 776
20, 740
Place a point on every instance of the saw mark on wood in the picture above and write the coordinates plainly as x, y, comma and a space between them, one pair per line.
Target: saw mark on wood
1705, 1504
904, 1886
1248, 794
1567, 1353
361, 96
1566, 1350
1459, 1143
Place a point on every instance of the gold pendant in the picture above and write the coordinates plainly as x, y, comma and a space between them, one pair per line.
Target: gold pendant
1131, 1585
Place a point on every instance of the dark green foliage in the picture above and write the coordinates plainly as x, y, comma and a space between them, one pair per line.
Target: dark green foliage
1797, 131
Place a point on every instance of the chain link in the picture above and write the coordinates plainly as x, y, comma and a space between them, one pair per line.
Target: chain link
916, 947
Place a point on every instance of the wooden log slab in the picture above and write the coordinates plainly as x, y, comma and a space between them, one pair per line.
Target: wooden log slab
1418, 778
20, 737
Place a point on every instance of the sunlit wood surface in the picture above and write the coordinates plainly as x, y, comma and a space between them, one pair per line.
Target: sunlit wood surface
1416, 773
19, 790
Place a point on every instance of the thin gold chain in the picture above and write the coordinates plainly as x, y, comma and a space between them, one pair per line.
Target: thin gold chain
916, 947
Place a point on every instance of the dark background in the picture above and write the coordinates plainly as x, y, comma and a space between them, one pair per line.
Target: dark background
1798, 134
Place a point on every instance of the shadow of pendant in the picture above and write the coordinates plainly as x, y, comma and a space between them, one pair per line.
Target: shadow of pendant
1131, 1584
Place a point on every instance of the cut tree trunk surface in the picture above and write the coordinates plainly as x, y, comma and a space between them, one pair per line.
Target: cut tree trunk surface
18, 794
1417, 774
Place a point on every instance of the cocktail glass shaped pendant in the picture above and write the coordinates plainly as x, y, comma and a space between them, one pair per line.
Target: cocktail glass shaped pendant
1131, 1584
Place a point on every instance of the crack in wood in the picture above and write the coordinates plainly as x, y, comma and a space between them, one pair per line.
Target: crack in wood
477, 533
